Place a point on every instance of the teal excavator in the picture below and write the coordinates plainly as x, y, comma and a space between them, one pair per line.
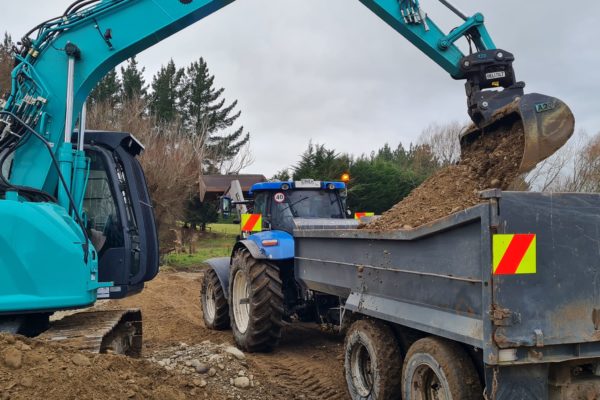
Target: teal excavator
76, 220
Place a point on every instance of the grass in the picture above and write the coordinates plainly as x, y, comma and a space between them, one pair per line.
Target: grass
218, 241
228, 229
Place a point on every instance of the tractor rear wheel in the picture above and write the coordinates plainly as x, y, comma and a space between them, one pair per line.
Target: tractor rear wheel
215, 310
256, 303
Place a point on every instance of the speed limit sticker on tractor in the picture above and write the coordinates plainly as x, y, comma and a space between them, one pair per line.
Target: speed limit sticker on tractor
279, 197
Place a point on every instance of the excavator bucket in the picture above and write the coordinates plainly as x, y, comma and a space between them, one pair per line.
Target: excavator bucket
547, 125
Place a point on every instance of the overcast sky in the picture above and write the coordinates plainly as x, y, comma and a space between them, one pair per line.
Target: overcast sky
331, 71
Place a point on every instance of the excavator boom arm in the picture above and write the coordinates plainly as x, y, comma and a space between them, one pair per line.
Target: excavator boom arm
58, 69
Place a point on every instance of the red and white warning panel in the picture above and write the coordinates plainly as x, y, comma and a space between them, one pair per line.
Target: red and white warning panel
514, 254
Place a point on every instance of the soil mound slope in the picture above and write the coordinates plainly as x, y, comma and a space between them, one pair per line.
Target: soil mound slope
31, 369
490, 161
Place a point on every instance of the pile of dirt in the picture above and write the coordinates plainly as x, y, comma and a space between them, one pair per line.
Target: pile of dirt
490, 161
31, 369
181, 358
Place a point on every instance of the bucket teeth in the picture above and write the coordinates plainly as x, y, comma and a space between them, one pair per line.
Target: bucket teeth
548, 123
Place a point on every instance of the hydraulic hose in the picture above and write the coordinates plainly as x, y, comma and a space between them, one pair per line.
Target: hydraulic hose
60, 176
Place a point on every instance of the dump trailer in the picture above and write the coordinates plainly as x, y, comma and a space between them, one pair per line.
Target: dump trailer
501, 298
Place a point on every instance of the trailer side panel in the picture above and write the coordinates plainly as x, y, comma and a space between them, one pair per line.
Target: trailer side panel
420, 278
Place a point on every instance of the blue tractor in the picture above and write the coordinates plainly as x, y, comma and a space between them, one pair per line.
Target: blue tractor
255, 289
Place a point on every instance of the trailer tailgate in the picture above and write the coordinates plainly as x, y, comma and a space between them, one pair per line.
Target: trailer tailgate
559, 304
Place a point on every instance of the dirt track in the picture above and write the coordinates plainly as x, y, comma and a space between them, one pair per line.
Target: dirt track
306, 365
181, 358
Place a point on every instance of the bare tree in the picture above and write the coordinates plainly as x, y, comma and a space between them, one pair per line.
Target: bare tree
583, 173
5, 81
573, 168
546, 176
443, 140
6, 65
243, 159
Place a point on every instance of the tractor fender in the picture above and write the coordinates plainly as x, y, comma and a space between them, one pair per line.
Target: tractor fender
251, 246
283, 250
221, 267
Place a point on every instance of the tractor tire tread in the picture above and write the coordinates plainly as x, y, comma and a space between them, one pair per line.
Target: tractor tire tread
221, 320
266, 304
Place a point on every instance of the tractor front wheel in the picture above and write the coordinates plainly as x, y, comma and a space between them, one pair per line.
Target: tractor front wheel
215, 310
256, 303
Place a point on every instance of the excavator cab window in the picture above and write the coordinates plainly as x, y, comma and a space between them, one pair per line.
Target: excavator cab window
104, 225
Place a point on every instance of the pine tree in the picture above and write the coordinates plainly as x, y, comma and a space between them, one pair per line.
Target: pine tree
166, 92
282, 175
199, 213
207, 114
107, 90
133, 84
320, 163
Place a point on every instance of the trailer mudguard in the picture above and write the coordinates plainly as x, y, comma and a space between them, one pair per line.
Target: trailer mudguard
221, 267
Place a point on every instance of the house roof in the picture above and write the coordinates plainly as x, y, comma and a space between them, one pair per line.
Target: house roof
220, 183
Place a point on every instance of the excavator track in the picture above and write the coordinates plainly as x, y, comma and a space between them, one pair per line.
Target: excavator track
106, 331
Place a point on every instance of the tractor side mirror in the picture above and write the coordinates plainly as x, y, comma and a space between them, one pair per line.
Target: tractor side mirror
225, 206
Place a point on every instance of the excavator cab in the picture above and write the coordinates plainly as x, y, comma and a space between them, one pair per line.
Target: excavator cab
119, 215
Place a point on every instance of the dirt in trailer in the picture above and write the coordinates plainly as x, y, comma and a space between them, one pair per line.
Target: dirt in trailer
490, 161
181, 358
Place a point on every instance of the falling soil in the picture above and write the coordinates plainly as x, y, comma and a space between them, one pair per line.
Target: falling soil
490, 161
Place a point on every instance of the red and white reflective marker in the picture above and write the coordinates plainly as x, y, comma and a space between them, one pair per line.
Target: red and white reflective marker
279, 197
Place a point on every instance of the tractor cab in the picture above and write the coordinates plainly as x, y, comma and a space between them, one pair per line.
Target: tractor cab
283, 204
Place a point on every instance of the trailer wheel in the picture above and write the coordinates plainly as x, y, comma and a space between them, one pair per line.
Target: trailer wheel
256, 300
436, 368
215, 310
372, 361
